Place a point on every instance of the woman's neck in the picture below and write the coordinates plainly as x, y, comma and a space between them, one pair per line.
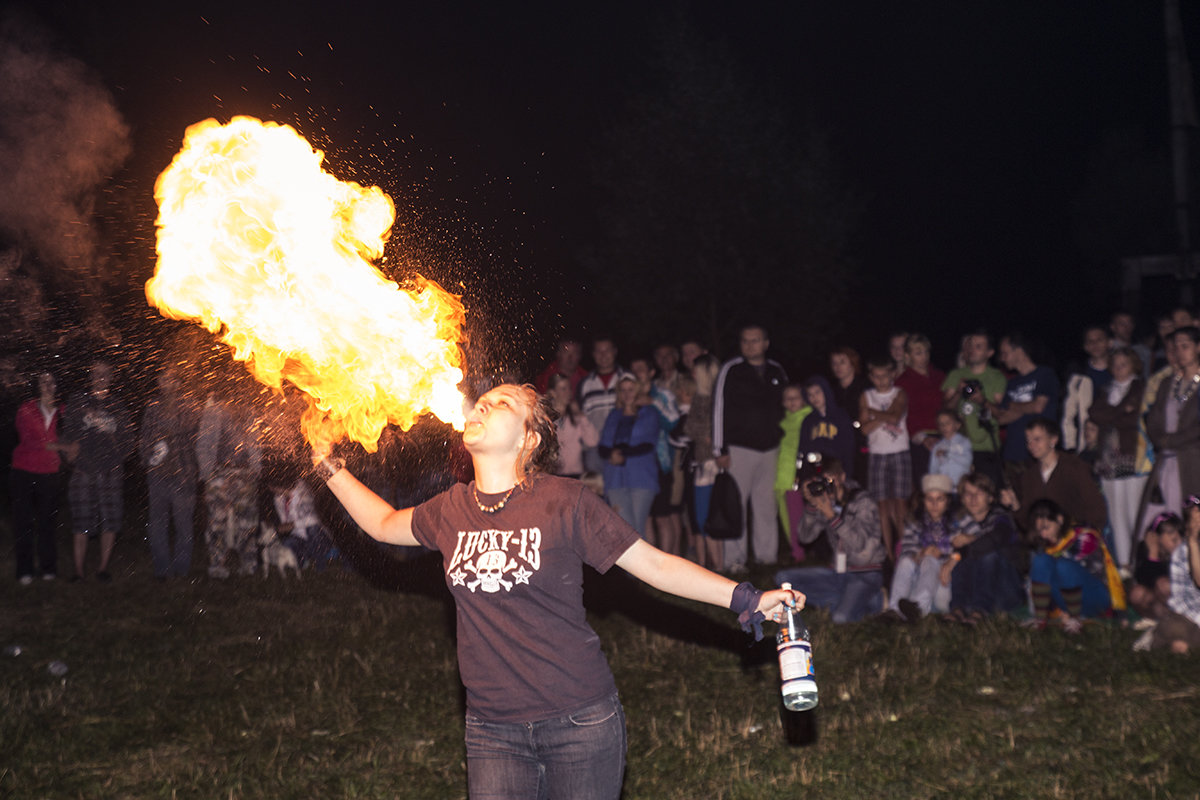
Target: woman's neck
845, 382
494, 475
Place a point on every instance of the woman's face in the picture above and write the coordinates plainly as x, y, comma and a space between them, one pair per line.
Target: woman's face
936, 503
918, 356
816, 398
560, 393
1048, 530
840, 366
975, 500
1121, 367
627, 394
496, 423
47, 387
1169, 539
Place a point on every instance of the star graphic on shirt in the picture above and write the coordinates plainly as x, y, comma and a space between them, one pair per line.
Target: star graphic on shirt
522, 576
458, 577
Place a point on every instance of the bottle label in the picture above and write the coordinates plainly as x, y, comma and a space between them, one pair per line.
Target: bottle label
795, 661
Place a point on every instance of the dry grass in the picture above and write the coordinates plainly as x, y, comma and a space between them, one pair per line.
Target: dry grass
343, 687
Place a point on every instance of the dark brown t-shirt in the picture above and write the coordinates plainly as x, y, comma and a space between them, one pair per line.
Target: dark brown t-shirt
525, 649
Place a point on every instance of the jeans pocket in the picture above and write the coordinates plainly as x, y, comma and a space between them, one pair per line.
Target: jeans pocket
597, 714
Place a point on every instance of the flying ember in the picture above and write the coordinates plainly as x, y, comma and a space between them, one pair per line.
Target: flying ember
260, 245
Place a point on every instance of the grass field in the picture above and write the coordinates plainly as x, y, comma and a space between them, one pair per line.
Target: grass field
344, 686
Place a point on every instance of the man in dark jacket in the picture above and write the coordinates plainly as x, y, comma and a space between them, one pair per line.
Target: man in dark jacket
747, 407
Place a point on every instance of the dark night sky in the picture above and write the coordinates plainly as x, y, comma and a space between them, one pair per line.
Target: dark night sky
966, 126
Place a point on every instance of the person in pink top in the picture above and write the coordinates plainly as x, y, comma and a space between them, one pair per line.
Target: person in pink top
34, 483
575, 431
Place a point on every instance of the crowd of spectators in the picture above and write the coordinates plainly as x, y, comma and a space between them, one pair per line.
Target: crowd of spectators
901, 491
891, 488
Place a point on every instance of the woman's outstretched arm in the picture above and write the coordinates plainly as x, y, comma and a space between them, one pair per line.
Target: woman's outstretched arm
372, 513
683, 578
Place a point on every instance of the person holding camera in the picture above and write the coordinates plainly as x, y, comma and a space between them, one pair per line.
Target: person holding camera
969, 390
849, 518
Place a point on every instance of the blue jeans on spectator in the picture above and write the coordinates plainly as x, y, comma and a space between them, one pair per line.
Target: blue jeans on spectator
171, 500
849, 596
1066, 573
988, 583
633, 505
579, 756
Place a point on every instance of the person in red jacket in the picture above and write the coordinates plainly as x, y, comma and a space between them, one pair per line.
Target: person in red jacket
34, 483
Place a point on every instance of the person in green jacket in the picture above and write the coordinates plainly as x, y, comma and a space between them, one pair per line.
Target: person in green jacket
795, 410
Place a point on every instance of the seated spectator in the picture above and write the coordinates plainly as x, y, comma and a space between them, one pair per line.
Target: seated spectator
917, 585
1179, 629
950, 453
849, 518
827, 430
1151, 587
1061, 477
989, 558
300, 528
627, 446
1072, 572
575, 431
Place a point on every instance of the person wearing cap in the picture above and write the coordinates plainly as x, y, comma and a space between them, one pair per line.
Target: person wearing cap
917, 585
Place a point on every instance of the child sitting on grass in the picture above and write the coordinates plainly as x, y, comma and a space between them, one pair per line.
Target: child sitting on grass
1151, 579
300, 528
917, 585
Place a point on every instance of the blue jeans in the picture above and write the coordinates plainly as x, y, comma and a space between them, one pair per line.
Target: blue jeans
849, 596
171, 500
1065, 573
988, 583
633, 505
579, 756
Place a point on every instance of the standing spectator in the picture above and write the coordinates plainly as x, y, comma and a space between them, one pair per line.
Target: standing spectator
1032, 392
848, 386
575, 431
1122, 327
598, 393
167, 444
898, 350
1073, 571
951, 454
748, 406
882, 415
666, 367
827, 430
627, 444
567, 357
1179, 629
699, 429
34, 482
1173, 426
1056, 475
689, 351
795, 409
229, 460
1086, 382
849, 519
667, 508
922, 383
1122, 447
100, 430
971, 390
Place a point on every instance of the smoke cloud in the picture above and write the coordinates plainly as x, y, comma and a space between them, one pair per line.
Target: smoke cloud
61, 138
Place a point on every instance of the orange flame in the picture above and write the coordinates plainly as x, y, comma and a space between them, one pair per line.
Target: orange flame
260, 245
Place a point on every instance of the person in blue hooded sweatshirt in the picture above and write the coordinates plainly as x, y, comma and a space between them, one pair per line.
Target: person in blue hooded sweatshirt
828, 430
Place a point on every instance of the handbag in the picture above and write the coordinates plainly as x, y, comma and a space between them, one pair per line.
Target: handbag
724, 509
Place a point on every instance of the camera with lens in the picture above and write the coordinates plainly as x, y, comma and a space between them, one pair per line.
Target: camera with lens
973, 398
819, 486
972, 389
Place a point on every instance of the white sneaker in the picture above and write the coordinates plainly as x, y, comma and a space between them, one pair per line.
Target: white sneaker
1144, 641
25, 580
218, 572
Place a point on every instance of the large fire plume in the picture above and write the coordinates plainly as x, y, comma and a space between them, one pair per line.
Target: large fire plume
264, 248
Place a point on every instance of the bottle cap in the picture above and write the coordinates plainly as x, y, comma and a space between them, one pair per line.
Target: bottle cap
785, 586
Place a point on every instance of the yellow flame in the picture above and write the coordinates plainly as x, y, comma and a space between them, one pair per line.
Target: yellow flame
258, 244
